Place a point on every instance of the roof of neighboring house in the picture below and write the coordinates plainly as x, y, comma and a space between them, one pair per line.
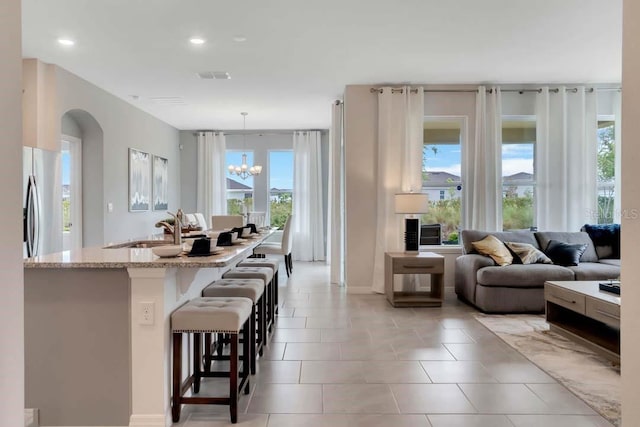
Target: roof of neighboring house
280, 190
235, 185
440, 179
520, 176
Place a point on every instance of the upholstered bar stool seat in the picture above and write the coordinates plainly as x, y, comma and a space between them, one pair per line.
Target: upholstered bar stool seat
264, 273
265, 262
247, 288
211, 315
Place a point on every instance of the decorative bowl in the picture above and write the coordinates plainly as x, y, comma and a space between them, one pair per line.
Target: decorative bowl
167, 250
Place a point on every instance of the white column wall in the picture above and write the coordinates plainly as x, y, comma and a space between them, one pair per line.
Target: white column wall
630, 214
11, 275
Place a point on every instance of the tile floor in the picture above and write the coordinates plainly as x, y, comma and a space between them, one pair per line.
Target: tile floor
341, 360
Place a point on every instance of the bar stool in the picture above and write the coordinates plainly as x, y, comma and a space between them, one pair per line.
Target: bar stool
264, 273
247, 288
264, 262
211, 315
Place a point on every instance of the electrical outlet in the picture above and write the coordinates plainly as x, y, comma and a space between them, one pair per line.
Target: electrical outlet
147, 313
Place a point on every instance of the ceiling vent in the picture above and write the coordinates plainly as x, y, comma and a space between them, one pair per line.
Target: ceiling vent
214, 75
168, 100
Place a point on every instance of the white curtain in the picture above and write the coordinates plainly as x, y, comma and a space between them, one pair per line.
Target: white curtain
336, 206
566, 165
483, 198
400, 142
308, 209
211, 183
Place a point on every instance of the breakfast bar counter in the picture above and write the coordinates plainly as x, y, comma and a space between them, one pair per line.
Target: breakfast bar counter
97, 329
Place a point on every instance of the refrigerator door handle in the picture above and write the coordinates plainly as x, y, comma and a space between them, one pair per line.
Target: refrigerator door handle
36, 218
33, 218
29, 222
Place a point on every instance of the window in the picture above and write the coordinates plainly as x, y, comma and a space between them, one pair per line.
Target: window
239, 191
606, 171
280, 186
518, 178
441, 174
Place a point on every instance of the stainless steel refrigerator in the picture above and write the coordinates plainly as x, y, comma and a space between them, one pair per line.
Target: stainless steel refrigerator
42, 198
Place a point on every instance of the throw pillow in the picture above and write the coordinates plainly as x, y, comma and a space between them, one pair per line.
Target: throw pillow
606, 239
565, 254
493, 247
527, 254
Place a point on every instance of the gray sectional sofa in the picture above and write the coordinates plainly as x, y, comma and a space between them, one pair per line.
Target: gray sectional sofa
519, 288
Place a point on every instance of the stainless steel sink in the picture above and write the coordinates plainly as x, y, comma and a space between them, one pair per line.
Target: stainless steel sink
140, 244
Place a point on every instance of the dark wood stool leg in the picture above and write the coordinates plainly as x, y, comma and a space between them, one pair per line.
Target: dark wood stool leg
220, 344
197, 360
177, 377
249, 359
207, 352
251, 338
275, 293
233, 379
262, 329
286, 264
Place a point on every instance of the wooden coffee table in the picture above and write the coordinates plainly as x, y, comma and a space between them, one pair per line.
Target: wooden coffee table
582, 312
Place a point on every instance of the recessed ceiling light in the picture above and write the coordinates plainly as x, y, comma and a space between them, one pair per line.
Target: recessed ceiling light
66, 42
196, 40
239, 38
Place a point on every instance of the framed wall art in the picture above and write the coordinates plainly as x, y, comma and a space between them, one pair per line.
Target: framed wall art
139, 180
160, 183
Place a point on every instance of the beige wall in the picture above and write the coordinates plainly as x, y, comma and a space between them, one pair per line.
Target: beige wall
11, 289
630, 214
360, 136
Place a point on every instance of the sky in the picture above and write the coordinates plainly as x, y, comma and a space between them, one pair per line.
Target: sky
515, 158
280, 168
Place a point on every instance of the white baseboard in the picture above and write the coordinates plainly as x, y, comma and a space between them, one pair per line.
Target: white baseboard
149, 420
31, 417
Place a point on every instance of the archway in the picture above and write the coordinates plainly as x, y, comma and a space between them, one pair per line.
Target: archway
81, 124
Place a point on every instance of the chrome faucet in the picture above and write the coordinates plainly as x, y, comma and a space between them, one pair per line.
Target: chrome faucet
175, 229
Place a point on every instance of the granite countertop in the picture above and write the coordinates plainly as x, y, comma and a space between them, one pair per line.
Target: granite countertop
124, 257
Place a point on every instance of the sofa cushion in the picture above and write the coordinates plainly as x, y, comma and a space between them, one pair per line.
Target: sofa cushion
589, 254
492, 247
523, 276
469, 236
610, 261
526, 253
605, 238
595, 271
564, 253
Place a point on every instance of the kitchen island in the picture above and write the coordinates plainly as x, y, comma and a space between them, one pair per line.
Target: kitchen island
97, 330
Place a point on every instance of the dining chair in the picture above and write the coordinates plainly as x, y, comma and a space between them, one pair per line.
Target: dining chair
279, 248
225, 222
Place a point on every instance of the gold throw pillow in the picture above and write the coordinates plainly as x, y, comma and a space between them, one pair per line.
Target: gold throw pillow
493, 247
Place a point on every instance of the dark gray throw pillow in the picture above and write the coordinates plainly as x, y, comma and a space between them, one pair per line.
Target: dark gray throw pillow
565, 254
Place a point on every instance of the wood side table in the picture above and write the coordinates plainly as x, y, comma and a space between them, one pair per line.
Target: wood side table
414, 263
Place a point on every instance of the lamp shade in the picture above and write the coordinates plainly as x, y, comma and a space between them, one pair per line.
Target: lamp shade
411, 203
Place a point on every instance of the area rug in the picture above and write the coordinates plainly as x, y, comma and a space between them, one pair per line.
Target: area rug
591, 377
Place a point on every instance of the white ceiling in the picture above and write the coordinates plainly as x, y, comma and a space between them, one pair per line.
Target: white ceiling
300, 54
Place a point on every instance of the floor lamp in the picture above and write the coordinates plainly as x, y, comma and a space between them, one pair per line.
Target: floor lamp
411, 203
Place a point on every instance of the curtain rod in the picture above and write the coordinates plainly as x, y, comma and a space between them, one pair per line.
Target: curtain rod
555, 90
259, 133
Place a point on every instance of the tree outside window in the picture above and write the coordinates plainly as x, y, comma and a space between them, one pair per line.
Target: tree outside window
606, 171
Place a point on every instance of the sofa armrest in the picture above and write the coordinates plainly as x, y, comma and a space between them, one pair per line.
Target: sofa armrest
467, 267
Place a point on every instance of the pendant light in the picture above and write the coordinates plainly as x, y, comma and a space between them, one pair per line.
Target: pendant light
244, 170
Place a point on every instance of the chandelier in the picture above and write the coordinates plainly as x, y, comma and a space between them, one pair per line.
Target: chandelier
244, 170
